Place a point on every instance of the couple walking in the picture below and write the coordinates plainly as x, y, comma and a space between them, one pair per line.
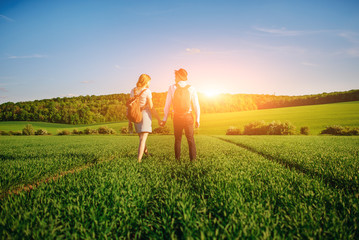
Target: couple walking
184, 99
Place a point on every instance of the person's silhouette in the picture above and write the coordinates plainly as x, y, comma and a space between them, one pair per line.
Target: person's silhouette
184, 99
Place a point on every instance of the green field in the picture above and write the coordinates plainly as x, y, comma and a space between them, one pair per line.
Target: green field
316, 117
54, 128
267, 187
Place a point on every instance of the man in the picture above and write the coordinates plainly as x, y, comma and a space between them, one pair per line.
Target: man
185, 100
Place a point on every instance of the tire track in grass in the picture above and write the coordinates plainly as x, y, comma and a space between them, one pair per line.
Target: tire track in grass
32, 186
333, 182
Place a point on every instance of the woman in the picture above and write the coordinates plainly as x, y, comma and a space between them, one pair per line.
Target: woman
144, 127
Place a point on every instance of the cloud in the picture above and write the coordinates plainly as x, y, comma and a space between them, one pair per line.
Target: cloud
86, 82
352, 37
289, 33
352, 52
7, 18
286, 49
348, 49
5, 77
29, 56
3, 89
150, 12
71, 95
117, 67
280, 32
193, 50
309, 64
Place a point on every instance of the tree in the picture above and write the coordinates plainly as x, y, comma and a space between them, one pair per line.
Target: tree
28, 130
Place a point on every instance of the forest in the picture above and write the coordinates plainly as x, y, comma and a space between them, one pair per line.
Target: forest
112, 108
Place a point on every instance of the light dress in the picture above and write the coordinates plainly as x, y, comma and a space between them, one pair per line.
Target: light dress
146, 124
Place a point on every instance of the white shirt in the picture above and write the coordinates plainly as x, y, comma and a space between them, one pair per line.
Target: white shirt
193, 96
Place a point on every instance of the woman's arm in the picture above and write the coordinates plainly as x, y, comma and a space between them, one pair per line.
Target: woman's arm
149, 102
153, 110
130, 126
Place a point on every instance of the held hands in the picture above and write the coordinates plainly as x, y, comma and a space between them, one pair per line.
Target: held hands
161, 123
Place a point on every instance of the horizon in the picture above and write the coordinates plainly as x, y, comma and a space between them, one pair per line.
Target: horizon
68, 49
201, 93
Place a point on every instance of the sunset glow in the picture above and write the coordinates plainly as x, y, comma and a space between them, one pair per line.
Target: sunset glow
211, 92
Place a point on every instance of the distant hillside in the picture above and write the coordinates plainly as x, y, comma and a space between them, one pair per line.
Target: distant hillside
316, 117
111, 108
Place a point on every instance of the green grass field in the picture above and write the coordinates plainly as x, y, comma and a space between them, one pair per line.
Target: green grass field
266, 187
316, 117
54, 128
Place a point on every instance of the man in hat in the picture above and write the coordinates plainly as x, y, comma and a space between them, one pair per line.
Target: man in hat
185, 100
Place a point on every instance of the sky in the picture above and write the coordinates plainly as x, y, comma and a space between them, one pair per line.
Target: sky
66, 48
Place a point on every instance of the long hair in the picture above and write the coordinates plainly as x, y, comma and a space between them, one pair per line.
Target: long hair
143, 80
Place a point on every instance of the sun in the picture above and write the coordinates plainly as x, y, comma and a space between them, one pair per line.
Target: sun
211, 92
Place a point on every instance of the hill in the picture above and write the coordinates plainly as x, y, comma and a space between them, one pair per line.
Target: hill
111, 108
316, 117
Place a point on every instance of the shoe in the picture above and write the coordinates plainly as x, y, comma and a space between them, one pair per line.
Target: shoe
148, 154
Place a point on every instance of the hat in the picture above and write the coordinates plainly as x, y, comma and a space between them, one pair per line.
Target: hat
182, 74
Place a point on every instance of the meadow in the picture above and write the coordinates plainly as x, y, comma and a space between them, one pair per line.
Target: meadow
316, 117
267, 187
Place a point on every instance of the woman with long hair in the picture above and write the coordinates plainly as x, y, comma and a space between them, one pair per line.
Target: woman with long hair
144, 127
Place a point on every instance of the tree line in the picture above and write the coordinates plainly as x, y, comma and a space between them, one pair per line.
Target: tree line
112, 108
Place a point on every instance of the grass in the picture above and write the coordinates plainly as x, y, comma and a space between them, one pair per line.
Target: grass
54, 128
32, 159
266, 187
229, 192
316, 155
316, 117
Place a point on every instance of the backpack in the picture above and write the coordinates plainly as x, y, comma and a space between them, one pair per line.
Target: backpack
134, 113
181, 99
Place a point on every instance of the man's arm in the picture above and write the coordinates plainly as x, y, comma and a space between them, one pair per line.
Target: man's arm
196, 107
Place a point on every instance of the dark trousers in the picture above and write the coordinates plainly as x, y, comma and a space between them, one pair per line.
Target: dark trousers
184, 122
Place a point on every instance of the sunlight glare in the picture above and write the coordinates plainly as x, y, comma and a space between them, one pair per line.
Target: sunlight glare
211, 92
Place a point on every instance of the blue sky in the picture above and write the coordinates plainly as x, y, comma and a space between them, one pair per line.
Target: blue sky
64, 48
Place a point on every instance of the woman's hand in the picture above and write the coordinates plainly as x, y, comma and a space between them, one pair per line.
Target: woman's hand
130, 127
161, 123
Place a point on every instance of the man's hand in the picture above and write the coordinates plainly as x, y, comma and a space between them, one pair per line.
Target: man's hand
162, 123
196, 125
